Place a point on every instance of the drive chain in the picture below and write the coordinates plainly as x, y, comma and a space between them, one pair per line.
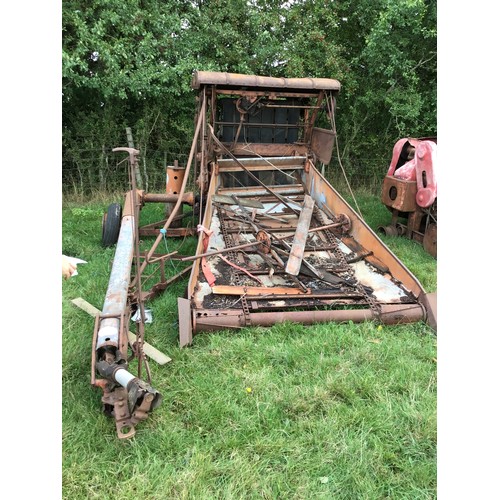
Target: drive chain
341, 257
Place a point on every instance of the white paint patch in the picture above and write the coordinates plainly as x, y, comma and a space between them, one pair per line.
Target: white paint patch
245, 238
278, 281
266, 280
383, 289
203, 289
216, 241
319, 255
344, 247
278, 303
272, 208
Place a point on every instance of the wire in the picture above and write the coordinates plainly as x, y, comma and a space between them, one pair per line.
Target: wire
332, 121
164, 234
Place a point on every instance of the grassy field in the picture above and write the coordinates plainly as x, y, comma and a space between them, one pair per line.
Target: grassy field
288, 412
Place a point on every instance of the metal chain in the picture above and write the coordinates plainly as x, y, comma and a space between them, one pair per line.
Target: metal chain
340, 256
235, 275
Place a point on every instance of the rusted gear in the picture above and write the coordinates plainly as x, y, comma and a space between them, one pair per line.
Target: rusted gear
345, 221
264, 238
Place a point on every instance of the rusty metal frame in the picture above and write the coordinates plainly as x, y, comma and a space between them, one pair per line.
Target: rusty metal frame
364, 248
276, 241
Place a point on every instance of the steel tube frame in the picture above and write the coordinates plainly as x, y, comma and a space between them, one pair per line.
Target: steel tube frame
115, 302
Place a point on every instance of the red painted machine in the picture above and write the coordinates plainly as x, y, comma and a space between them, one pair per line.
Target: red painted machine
409, 191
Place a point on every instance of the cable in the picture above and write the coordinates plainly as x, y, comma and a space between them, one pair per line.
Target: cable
332, 122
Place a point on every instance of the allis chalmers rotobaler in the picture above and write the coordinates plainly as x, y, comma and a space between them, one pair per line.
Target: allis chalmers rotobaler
275, 241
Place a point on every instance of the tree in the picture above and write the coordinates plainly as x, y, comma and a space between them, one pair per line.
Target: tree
131, 63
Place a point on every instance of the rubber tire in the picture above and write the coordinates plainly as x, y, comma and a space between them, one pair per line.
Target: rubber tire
111, 222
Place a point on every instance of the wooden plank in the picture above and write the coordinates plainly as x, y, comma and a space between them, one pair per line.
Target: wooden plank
299, 240
257, 290
151, 351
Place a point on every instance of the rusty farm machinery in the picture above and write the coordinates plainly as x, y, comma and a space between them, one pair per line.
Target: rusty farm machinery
275, 241
409, 191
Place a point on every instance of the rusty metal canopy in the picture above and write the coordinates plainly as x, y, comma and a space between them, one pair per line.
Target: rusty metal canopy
237, 80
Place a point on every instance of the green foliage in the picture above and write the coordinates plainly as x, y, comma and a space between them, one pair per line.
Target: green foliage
394, 91
131, 63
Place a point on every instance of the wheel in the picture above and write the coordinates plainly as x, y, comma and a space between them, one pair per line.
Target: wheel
111, 222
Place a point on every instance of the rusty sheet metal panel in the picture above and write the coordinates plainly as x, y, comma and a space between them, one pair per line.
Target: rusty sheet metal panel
322, 142
326, 196
399, 194
237, 80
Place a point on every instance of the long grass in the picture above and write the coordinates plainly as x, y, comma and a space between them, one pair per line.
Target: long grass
292, 411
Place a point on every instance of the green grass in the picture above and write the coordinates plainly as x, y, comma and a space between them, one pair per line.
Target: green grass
293, 412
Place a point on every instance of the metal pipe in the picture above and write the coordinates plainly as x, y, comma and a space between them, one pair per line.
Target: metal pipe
168, 198
223, 250
115, 301
390, 314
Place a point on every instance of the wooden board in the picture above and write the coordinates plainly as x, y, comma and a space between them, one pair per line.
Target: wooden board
299, 240
149, 350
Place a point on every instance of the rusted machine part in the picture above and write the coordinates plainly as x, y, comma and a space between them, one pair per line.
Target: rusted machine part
217, 78
401, 228
390, 230
187, 198
426, 173
399, 194
343, 221
125, 397
206, 320
110, 338
430, 240
265, 239
412, 194
174, 181
126, 410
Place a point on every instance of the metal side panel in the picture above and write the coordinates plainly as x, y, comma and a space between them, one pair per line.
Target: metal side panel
326, 197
